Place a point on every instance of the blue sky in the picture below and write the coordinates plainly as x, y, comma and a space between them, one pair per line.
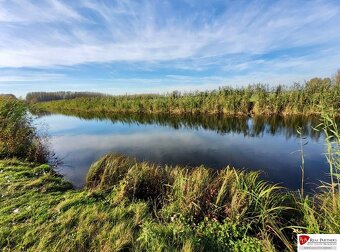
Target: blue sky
157, 46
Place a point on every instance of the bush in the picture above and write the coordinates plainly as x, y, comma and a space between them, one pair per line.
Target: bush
18, 138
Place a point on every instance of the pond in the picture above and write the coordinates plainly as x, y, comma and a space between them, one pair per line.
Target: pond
269, 144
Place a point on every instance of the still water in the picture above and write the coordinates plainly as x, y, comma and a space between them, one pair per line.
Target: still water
268, 144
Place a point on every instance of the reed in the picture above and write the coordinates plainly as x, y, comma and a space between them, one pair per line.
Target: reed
321, 212
256, 99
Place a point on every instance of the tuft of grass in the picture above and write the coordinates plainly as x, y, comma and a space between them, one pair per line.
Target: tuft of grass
196, 194
108, 171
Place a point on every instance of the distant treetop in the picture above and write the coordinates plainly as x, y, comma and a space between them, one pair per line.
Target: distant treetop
8, 96
60, 95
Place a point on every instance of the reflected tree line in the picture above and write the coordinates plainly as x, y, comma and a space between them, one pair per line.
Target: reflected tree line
223, 124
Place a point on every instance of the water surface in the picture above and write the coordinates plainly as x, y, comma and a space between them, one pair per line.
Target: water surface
269, 144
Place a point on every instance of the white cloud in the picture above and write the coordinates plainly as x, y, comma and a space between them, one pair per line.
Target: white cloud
49, 33
32, 12
29, 77
160, 46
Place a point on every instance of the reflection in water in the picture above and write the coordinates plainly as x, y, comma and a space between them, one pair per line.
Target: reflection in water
269, 144
221, 124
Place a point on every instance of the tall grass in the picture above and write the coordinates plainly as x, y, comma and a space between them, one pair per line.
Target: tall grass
198, 196
302, 144
333, 153
254, 99
321, 212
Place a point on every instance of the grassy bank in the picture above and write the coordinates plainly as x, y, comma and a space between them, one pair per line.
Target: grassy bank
39, 212
143, 207
258, 99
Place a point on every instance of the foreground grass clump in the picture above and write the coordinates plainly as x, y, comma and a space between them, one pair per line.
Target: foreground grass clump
138, 206
215, 210
39, 211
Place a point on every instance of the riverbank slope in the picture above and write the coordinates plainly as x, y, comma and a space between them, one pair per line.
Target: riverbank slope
134, 206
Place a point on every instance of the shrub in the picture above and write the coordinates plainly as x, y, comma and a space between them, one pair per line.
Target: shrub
18, 138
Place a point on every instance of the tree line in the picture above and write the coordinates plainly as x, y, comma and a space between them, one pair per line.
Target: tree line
33, 97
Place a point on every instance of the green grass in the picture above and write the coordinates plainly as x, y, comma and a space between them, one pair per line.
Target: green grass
39, 211
256, 99
226, 199
140, 206
132, 206
147, 208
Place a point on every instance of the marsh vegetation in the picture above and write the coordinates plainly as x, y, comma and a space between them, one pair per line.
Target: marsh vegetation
308, 98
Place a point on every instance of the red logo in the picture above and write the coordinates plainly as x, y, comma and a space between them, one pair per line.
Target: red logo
303, 239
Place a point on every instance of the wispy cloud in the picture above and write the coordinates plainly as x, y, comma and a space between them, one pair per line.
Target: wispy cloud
215, 38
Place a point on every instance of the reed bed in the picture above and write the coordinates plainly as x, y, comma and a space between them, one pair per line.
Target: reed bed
257, 99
